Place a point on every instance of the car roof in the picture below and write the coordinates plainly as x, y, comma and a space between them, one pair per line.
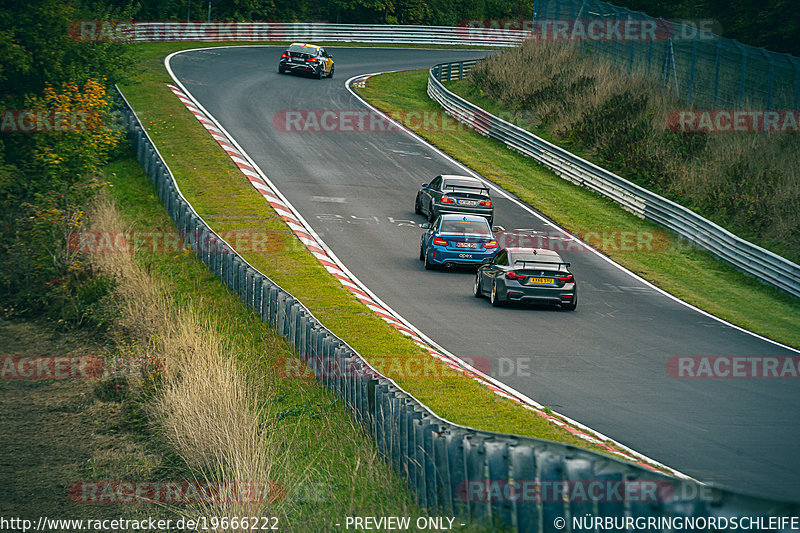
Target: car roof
306, 45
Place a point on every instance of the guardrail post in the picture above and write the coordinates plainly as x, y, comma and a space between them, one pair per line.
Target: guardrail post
457, 471
551, 475
444, 493
433, 480
420, 486
523, 472
497, 466
258, 285
579, 470
476, 476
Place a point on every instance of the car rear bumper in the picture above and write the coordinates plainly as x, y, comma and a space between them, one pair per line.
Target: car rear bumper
292, 67
522, 293
443, 256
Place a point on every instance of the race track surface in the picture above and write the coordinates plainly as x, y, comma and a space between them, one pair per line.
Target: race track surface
603, 365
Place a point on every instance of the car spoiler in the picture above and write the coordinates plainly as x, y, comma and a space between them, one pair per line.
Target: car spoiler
453, 187
559, 263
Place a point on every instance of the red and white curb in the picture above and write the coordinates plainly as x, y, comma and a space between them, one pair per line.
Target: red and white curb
318, 249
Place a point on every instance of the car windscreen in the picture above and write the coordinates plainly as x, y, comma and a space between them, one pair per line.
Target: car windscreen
476, 227
307, 50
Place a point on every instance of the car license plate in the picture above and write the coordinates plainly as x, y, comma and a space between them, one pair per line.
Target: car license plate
470, 203
548, 281
466, 245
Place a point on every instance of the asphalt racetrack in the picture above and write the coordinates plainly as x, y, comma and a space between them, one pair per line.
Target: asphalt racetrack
604, 365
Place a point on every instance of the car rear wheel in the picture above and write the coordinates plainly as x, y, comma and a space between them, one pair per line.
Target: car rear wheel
417, 207
570, 306
428, 264
331, 73
476, 290
281, 70
431, 215
493, 298
319, 73
421, 252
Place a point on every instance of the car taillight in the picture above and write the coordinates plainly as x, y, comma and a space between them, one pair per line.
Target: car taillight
285, 56
446, 200
514, 275
568, 279
312, 60
487, 203
490, 244
439, 242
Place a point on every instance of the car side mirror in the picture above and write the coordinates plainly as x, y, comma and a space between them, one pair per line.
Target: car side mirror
426, 225
496, 228
424, 185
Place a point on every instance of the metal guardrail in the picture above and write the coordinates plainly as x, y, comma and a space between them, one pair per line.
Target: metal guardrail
452, 469
319, 31
746, 256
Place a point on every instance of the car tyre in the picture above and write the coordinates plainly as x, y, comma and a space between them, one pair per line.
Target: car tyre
428, 264
319, 73
493, 296
476, 289
570, 306
281, 70
331, 74
431, 215
421, 252
417, 207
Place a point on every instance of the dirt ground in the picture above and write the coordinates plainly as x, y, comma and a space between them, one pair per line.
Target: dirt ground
56, 432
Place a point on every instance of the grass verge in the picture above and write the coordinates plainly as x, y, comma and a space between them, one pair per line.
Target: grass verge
217, 397
226, 200
686, 272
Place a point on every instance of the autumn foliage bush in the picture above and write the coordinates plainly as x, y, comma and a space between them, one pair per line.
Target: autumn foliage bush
48, 193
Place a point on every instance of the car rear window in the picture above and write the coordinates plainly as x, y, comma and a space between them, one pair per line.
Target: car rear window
307, 50
478, 227
463, 185
538, 262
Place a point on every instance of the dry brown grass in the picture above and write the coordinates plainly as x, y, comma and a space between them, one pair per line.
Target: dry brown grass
747, 182
204, 405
